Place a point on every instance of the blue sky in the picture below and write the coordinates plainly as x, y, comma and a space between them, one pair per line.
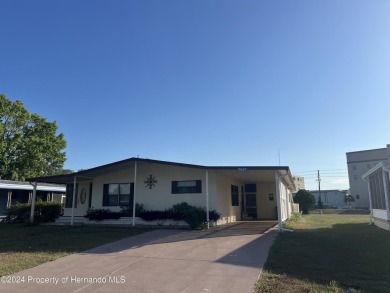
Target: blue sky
205, 82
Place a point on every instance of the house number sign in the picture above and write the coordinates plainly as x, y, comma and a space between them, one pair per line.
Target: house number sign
150, 181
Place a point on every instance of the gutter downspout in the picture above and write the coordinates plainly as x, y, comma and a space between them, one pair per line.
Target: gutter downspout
34, 195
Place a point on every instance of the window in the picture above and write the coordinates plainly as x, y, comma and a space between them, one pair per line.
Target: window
357, 196
234, 194
355, 177
118, 194
271, 196
250, 187
190, 186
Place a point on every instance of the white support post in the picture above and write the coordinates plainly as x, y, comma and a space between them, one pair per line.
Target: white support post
34, 195
386, 189
73, 200
278, 207
9, 200
207, 199
288, 205
369, 197
135, 188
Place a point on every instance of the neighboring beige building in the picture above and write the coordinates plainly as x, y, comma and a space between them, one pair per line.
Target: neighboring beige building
358, 164
255, 192
299, 183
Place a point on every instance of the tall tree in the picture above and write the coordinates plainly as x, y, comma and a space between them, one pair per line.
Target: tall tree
306, 200
29, 144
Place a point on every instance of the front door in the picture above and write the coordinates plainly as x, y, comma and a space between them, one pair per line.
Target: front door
250, 200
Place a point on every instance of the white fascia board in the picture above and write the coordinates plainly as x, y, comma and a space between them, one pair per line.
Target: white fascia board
30, 187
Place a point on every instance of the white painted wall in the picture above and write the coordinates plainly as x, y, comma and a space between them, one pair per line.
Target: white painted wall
266, 209
223, 198
158, 198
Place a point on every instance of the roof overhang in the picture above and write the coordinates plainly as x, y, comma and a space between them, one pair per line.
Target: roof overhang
241, 173
27, 186
381, 165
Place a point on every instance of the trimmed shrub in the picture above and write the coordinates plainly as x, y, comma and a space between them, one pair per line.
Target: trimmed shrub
102, 214
214, 215
195, 217
45, 211
127, 211
156, 215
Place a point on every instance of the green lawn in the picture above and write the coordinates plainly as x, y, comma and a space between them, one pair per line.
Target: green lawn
328, 253
23, 247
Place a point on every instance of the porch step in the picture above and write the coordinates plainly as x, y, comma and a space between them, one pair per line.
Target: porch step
66, 220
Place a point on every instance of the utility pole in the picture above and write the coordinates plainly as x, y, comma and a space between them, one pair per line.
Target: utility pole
319, 189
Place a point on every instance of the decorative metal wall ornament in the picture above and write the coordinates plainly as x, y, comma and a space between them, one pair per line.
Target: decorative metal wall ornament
150, 181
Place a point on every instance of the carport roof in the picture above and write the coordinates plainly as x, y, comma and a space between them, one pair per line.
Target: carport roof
231, 171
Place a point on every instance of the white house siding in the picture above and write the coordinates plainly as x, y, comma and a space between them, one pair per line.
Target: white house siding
284, 201
223, 198
266, 208
159, 197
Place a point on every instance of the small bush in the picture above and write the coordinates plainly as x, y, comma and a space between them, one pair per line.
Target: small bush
102, 214
45, 211
295, 217
195, 217
214, 215
180, 210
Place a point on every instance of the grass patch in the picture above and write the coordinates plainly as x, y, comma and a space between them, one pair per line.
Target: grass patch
328, 253
23, 247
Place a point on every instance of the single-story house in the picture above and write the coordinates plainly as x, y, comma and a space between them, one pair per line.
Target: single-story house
378, 180
12, 192
236, 192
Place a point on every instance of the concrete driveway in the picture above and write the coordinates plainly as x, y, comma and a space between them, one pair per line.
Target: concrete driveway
227, 258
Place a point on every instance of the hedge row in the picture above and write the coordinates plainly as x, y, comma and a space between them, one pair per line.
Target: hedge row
45, 211
193, 216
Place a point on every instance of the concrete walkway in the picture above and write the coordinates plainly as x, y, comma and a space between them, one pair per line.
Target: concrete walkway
227, 258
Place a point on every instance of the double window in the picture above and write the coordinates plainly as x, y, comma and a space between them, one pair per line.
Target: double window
190, 186
118, 194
